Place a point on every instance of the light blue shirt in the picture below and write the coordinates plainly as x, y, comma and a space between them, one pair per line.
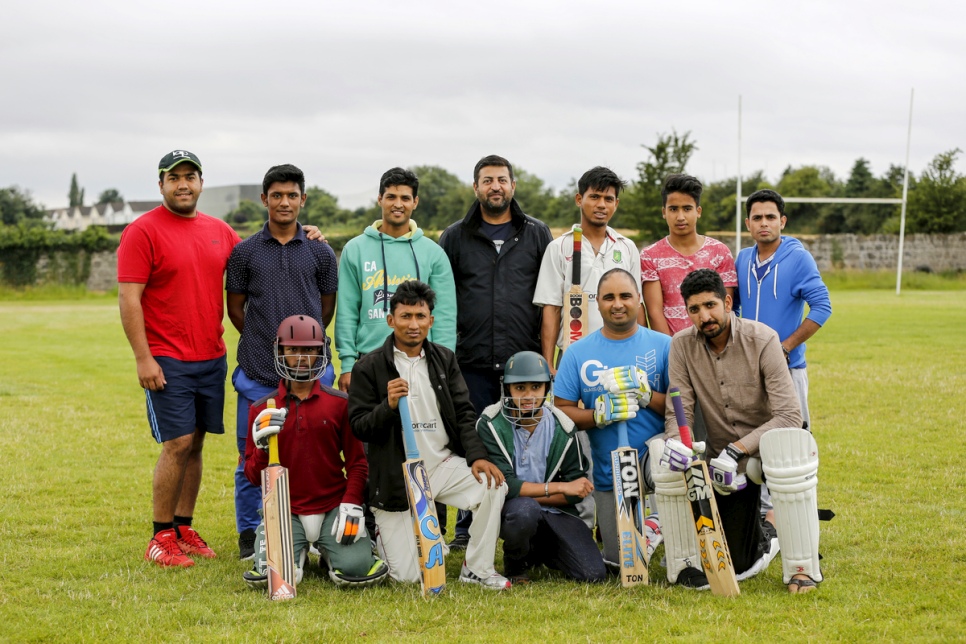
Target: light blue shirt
531, 451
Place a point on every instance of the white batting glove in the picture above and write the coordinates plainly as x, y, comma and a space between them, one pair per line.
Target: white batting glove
349, 526
269, 422
677, 457
612, 408
724, 471
629, 380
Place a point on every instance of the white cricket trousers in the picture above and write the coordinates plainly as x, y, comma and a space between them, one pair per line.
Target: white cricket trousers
452, 483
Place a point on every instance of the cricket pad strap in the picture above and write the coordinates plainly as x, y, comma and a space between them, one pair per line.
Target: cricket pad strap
789, 458
677, 522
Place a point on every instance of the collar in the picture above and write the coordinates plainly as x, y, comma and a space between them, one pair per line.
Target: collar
266, 235
283, 391
397, 351
377, 224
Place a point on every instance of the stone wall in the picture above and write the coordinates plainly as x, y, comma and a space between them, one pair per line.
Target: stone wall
931, 253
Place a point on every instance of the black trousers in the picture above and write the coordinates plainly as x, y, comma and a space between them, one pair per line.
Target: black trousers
741, 519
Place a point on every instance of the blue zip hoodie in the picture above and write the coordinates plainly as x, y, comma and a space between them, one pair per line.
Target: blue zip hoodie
791, 280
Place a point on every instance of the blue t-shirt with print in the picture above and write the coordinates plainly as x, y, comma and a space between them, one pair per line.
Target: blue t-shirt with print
578, 378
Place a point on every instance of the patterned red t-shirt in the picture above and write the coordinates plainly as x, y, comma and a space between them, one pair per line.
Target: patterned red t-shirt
661, 263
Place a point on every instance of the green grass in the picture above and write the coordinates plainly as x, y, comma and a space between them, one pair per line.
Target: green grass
887, 376
853, 280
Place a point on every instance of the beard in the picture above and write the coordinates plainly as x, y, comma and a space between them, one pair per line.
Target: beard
721, 328
495, 204
182, 209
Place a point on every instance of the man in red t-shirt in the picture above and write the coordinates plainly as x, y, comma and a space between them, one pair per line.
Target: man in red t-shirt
666, 263
170, 268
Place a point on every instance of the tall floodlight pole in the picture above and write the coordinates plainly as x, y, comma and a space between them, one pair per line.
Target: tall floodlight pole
905, 196
738, 189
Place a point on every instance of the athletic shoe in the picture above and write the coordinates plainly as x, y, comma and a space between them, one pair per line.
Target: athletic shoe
769, 550
496, 581
165, 551
694, 579
652, 530
246, 544
192, 543
459, 542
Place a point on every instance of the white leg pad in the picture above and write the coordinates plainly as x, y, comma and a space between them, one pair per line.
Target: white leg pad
789, 458
677, 522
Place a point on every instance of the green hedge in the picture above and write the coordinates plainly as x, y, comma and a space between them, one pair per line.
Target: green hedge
69, 253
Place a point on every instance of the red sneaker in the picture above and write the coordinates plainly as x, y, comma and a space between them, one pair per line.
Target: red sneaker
192, 543
165, 551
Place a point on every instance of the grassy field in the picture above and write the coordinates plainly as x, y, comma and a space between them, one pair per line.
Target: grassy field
887, 376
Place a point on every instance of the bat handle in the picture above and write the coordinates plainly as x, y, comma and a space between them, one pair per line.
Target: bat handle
409, 438
622, 439
675, 395
273, 458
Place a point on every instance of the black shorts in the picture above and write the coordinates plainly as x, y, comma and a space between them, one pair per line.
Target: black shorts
194, 397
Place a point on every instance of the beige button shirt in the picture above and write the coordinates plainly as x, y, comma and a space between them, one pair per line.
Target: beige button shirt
744, 391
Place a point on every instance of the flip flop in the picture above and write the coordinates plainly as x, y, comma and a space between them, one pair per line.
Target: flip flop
800, 586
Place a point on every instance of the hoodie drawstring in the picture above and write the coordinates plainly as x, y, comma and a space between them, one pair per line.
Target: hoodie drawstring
385, 269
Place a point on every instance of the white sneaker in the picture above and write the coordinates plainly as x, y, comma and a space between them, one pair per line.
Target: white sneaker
496, 581
763, 561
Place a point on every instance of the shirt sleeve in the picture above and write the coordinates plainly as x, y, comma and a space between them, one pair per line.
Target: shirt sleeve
237, 275
134, 256
725, 265
566, 384
782, 397
549, 290
328, 272
349, 299
442, 282
648, 267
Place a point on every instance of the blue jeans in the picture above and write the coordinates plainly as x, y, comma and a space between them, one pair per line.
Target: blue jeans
561, 541
248, 497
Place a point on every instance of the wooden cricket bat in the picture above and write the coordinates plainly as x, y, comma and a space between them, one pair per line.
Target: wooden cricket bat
629, 499
715, 556
422, 509
277, 510
576, 323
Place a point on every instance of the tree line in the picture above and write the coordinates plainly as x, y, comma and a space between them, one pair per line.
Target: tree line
937, 198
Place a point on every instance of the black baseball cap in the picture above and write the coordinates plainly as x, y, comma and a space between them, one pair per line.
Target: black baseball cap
175, 157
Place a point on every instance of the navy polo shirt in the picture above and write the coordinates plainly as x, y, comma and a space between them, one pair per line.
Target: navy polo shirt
279, 280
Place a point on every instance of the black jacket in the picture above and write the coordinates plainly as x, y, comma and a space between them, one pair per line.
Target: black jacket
495, 316
373, 422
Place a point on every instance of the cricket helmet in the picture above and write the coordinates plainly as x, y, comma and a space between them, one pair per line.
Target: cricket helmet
300, 331
525, 366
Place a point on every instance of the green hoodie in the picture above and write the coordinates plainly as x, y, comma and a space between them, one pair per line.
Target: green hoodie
565, 460
371, 267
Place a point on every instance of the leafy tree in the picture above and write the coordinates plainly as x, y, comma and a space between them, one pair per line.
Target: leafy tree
718, 201
938, 204
443, 198
642, 205
247, 211
807, 181
17, 207
111, 195
534, 196
865, 219
322, 210
76, 194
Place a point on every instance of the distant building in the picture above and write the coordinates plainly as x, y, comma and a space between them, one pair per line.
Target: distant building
217, 202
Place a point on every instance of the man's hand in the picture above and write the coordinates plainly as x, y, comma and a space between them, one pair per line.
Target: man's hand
344, 381
150, 374
313, 233
628, 380
269, 422
487, 472
581, 487
349, 526
397, 389
612, 408
724, 470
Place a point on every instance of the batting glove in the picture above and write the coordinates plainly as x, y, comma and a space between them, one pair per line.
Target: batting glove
612, 408
268, 423
629, 380
724, 471
677, 457
350, 526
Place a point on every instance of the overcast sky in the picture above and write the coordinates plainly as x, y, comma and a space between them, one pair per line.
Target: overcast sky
346, 90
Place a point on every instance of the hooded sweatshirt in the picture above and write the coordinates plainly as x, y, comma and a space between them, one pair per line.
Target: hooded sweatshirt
371, 267
789, 281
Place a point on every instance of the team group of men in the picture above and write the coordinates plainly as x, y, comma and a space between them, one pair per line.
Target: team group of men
514, 423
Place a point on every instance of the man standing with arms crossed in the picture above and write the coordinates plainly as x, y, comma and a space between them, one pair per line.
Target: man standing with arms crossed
598, 192
275, 273
170, 266
495, 252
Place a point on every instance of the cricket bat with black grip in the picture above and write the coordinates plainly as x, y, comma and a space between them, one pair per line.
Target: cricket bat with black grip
575, 314
277, 510
422, 509
629, 499
715, 556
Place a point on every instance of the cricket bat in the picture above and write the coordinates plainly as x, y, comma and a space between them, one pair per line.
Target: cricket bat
422, 509
629, 498
576, 324
715, 556
277, 511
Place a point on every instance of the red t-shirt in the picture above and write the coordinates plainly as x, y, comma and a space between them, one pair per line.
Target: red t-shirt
661, 263
181, 261
326, 463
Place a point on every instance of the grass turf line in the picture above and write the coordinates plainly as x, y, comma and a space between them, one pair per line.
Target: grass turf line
886, 380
